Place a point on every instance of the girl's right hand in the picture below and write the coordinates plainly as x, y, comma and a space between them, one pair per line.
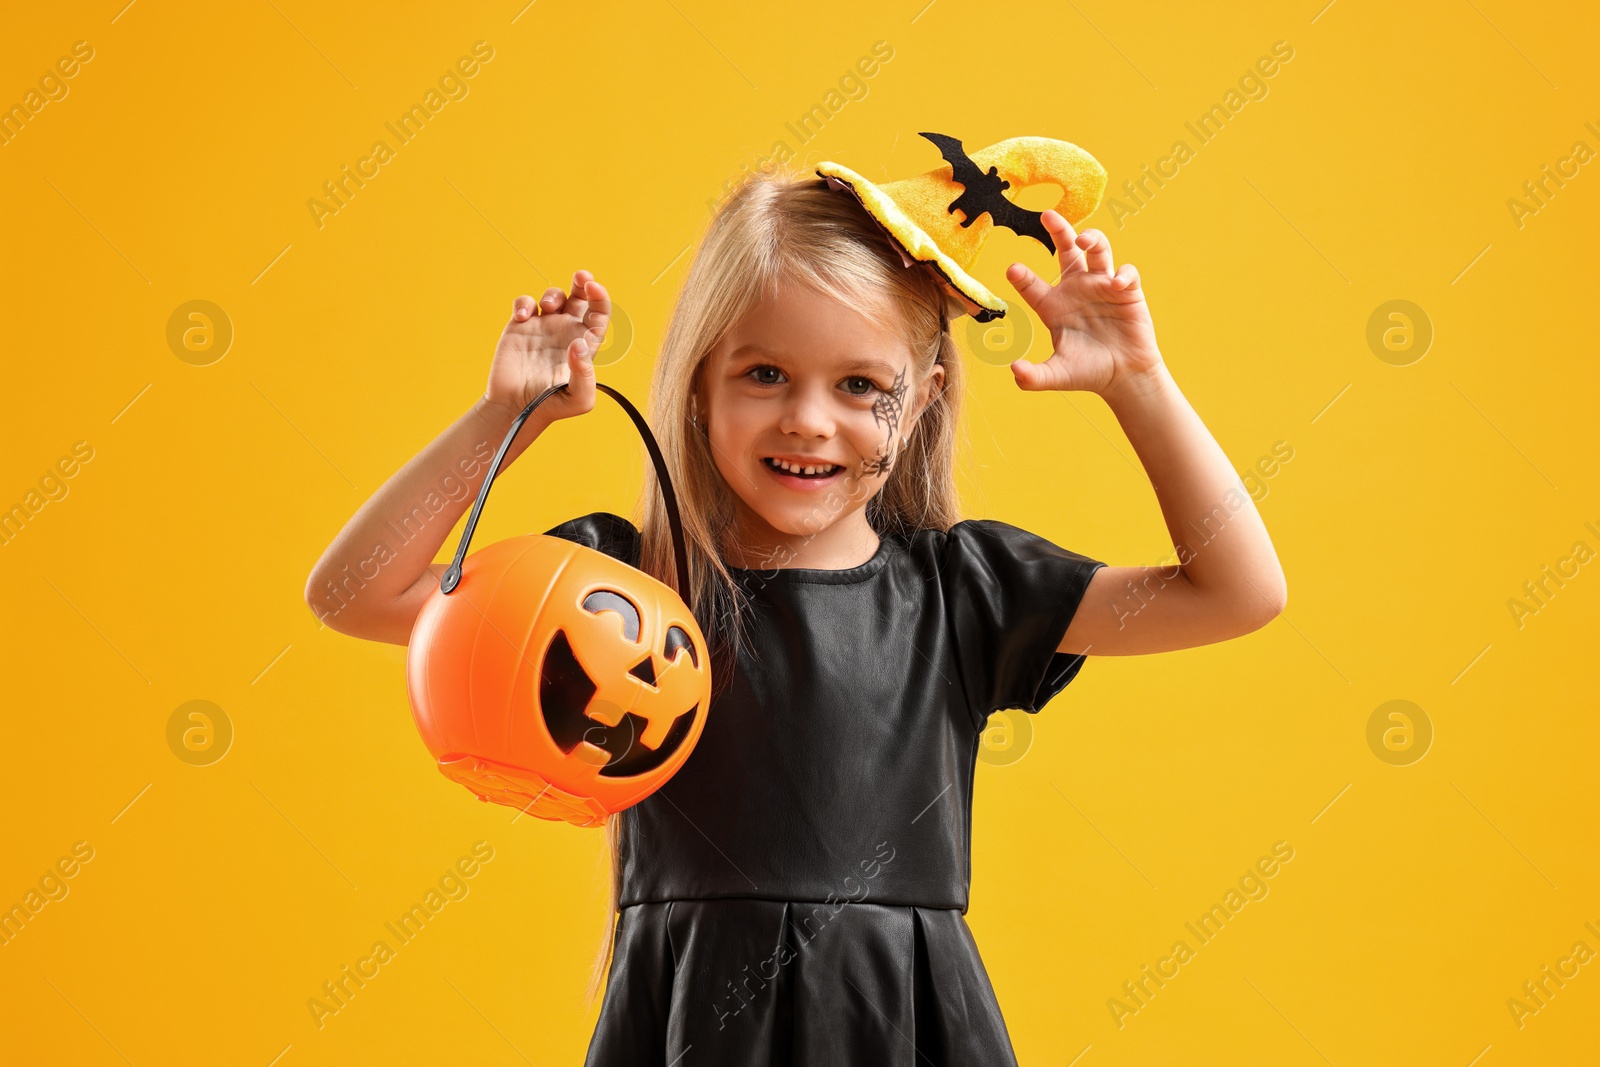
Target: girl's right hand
547, 343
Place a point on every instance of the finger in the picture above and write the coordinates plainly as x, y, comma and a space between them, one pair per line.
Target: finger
522, 308
1127, 278
552, 300
1028, 285
1029, 376
1097, 251
580, 368
1022, 373
578, 302
1040, 376
598, 318
1065, 237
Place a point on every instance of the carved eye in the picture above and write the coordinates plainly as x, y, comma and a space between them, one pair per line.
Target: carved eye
606, 600
677, 638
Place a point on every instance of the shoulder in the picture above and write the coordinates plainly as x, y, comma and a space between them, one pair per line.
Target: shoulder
979, 539
987, 556
603, 532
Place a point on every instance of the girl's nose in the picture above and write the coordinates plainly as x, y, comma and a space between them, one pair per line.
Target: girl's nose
807, 416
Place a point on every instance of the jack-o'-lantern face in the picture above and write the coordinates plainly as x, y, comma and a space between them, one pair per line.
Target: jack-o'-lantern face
632, 701
558, 680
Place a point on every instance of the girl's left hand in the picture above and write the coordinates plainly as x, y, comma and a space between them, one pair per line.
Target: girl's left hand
1097, 317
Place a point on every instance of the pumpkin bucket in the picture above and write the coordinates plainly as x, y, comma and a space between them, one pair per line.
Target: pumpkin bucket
551, 677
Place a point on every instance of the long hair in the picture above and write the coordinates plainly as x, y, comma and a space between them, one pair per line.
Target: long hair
784, 224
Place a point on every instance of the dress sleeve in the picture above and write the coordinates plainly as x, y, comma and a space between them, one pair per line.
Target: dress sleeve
1011, 595
604, 532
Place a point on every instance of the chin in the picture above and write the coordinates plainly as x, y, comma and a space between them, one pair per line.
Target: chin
795, 513
795, 522
765, 520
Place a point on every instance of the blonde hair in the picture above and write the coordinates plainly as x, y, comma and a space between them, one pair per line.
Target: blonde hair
784, 224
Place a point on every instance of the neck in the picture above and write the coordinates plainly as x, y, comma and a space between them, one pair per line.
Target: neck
848, 542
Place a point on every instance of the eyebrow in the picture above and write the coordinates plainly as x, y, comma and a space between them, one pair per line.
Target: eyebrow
858, 364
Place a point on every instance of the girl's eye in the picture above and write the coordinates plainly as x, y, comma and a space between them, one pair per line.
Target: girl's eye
855, 386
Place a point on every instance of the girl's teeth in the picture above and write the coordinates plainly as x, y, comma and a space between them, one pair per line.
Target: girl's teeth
791, 469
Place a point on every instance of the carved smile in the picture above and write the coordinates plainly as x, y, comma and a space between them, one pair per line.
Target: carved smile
565, 690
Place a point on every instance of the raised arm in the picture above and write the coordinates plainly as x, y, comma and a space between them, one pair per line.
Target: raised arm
1226, 580
374, 578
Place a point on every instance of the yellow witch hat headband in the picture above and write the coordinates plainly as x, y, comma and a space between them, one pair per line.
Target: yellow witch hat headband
942, 217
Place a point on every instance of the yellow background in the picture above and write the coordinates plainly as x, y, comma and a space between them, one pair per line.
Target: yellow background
1418, 501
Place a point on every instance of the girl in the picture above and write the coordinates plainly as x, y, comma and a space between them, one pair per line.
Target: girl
795, 893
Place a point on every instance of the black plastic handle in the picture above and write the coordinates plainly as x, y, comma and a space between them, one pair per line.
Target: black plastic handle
452, 577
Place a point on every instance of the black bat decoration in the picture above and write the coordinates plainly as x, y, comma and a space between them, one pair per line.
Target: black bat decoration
982, 192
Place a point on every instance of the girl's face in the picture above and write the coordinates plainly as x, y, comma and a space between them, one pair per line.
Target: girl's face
805, 381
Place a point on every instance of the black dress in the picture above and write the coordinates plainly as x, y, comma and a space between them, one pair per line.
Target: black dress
795, 894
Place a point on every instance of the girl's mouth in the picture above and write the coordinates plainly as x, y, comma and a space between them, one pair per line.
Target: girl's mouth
795, 477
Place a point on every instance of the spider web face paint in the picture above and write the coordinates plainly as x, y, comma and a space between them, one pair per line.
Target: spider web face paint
886, 412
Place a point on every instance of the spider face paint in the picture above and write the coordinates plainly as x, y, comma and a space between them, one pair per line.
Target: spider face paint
886, 412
